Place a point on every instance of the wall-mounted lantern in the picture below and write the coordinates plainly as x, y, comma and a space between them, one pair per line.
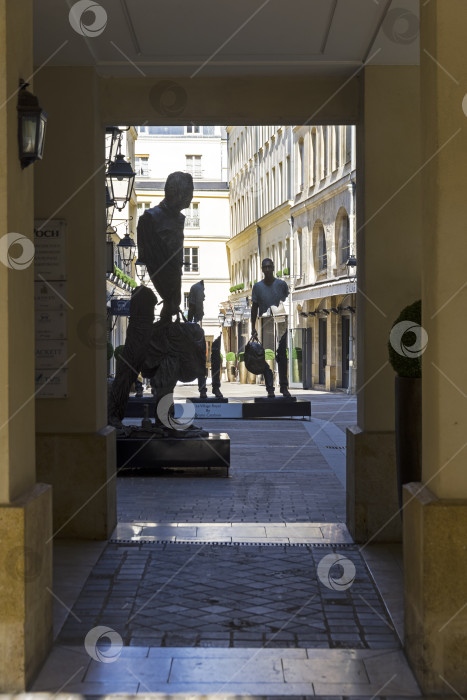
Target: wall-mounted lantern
32, 121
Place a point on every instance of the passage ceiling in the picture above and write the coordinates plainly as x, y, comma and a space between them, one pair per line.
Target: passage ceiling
216, 37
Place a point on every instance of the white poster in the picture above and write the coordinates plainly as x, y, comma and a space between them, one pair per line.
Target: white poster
50, 354
50, 325
51, 383
49, 295
49, 256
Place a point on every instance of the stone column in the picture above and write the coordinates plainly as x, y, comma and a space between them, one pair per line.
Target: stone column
25, 507
75, 448
388, 273
435, 513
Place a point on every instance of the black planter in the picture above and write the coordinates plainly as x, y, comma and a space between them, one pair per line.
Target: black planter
408, 431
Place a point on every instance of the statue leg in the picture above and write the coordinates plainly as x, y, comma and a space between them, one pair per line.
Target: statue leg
119, 392
164, 413
281, 357
216, 367
269, 379
202, 386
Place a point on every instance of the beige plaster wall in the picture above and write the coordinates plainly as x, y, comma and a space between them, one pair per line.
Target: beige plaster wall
444, 248
70, 186
17, 472
248, 100
388, 229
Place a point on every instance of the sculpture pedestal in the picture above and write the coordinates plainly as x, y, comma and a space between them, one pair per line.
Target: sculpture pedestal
279, 407
208, 399
153, 454
210, 409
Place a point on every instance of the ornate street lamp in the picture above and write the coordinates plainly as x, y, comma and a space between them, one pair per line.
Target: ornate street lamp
228, 317
351, 265
120, 178
109, 206
127, 249
32, 121
221, 318
141, 271
115, 136
238, 314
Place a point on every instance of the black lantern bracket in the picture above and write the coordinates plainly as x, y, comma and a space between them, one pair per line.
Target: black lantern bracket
32, 121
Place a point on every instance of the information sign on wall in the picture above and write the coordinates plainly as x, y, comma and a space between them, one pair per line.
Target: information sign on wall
50, 302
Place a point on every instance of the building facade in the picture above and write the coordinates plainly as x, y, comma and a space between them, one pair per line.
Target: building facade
292, 199
120, 277
201, 151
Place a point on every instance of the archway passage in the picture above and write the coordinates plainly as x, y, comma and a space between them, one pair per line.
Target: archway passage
362, 66
200, 567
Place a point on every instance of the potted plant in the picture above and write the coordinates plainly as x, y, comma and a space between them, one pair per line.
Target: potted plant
408, 394
296, 364
241, 367
270, 357
230, 366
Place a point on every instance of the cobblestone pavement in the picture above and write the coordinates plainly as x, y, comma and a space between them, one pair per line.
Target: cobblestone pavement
185, 595
278, 474
258, 616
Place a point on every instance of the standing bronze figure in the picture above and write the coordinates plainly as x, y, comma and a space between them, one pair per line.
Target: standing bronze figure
170, 350
270, 291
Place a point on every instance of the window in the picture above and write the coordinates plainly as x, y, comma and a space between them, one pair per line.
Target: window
322, 253
192, 129
192, 215
289, 178
279, 186
142, 165
273, 188
337, 147
348, 143
325, 151
301, 163
193, 166
299, 254
186, 296
343, 237
314, 157
190, 260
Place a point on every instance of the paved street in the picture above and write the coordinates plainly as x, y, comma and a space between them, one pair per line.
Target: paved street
281, 471
249, 584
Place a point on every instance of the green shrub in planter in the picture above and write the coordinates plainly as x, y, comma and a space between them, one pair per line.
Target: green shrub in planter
241, 357
110, 351
296, 353
118, 351
269, 354
230, 357
402, 365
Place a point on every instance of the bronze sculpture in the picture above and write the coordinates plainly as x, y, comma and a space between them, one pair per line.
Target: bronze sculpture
169, 350
270, 291
195, 313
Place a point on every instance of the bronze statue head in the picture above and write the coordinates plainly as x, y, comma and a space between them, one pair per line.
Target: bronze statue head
179, 190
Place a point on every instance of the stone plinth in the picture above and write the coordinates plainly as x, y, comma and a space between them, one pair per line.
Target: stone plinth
26, 621
372, 503
169, 452
81, 469
435, 584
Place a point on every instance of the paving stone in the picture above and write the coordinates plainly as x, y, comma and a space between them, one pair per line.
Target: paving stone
210, 593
